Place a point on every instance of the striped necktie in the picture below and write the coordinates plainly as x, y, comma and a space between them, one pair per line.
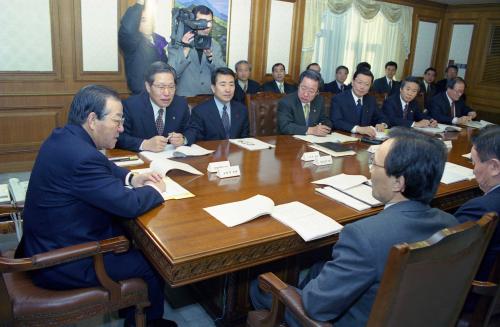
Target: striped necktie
159, 122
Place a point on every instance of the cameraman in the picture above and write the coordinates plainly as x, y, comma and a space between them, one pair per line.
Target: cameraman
194, 67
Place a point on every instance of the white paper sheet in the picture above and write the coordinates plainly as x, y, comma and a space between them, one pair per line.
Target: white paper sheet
343, 198
455, 173
251, 144
333, 137
342, 181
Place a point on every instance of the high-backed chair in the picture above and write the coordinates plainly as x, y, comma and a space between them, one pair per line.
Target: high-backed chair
379, 97
262, 113
327, 96
197, 99
22, 303
421, 102
424, 283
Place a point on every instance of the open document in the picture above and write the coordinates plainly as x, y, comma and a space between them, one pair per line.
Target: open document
252, 144
333, 137
478, 124
307, 222
455, 173
172, 152
333, 149
440, 128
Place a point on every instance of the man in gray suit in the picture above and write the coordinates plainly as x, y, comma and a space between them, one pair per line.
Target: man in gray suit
405, 173
194, 67
303, 112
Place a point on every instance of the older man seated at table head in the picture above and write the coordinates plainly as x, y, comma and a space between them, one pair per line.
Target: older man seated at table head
303, 112
220, 117
405, 172
157, 116
402, 109
76, 195
485, 154
355, 111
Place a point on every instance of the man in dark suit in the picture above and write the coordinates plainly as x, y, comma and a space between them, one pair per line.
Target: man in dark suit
451, 72
76, 195
387, 84
244, 85
355, 111
278, 85
157, 116
139, 44
402, 109
219, 118
343, 289
427, 86
485, 154
303, 112
448, 107
338, 85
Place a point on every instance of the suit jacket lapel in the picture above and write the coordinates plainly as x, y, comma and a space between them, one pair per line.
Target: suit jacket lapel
215, 117
148, 118
299, 111
235, 119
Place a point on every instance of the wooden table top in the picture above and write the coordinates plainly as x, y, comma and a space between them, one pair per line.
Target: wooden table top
186, 244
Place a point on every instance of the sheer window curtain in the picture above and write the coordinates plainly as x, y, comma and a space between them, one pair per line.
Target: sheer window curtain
345, 32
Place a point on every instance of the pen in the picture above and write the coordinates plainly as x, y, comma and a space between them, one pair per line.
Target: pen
121, 159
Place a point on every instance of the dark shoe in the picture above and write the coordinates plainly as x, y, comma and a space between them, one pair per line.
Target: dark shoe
161, 323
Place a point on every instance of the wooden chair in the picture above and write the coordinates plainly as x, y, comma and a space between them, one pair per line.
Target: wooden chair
379, 97
197, 99
424, 283
328, 101
24, 304
262, 113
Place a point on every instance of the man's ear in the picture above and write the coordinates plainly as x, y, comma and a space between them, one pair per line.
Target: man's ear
399, 184
494, 167
148, 87
92, 120
213, 88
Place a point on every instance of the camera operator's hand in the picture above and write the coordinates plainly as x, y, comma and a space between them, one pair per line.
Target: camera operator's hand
209, 54
187, 39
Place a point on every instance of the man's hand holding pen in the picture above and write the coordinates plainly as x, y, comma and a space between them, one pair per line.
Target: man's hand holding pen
319, 130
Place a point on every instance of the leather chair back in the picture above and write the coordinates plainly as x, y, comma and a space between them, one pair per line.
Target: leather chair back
262, 113
328, 101
197, 99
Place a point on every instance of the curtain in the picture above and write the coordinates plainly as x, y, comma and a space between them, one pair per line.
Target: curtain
345, 32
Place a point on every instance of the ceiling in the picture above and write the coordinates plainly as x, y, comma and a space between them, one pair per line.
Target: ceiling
465, 2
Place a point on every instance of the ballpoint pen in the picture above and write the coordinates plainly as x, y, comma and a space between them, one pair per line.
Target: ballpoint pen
121, 159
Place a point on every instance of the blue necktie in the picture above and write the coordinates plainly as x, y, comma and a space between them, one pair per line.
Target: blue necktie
359, 110
225, 121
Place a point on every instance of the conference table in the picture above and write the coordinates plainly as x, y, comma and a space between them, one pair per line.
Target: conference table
187, 245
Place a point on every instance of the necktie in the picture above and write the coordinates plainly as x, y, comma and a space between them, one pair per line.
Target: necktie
282, 89
306, 113
359, 109
159, 122
342, 88
245, 87
225, 121
452, 111
405, 111
390, 85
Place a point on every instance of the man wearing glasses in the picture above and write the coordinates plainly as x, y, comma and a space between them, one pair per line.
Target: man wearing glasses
157, 116
303, 112
76, 195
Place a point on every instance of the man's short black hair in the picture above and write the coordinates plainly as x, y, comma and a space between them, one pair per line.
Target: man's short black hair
278, 64
90, 98
487, 143
158, 67
420, 159
430, 69
363, 65
391, 63
222, 71
450, 84
451, 66
362, 71
410, 79
312, 74
204, 10
312, 64
342, 67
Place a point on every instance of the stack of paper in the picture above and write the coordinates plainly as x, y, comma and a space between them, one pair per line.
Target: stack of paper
331, 152
478, 124
251, 144
307, 222
440, 128
343, 198
171, 151
333, 137
455, 173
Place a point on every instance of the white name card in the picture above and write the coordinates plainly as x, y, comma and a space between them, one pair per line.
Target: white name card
321, 161
214, 166
448, 144
310, 156
231, 171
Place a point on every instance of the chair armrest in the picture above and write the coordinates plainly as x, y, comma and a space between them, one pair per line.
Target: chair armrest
67, 254
287, 295
484, 288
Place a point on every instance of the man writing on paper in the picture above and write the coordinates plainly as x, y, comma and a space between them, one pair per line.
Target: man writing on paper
485, 154
402, 109
303, 112
355, 111
448, 107
157, 116
219, 118
77, 195
405, 174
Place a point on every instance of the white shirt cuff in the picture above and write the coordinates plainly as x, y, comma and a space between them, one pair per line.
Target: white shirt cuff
353, 130
455, 120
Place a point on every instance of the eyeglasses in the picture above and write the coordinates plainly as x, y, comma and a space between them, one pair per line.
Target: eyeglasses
308, 90
118, 122
162, 88
371, 161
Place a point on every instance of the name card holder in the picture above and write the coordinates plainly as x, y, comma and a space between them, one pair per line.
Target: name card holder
214, 166
322, 161
310, 156
231, 171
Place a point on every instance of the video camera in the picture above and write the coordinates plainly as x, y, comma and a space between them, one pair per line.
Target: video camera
184, 21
